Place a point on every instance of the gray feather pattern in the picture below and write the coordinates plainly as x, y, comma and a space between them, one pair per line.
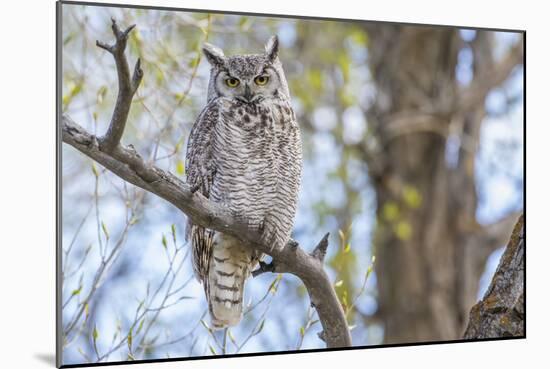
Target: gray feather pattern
248, 157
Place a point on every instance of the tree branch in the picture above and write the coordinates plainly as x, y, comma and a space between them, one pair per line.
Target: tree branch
126, 87
126, 163
501, 312
499, 72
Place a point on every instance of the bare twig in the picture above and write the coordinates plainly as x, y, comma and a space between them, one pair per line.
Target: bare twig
106, 262
67, 252
271, 290
363, 287
144, 308
303, 330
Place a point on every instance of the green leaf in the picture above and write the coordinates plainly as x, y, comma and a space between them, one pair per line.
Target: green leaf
212, 350
178, 147
403, 230
412, 197
390, 211
159, 76
315, 79
74, 89
345, 300
174, 232
83, 353
359, 37
302, 331
129, 339
243, 23
77, 291
193, 63
140, 326
104, 227
164, 243
339, 283
273, 286
94, 170
141, 303
261, 327
231, 337
180, 168
347, 248
344, 63
68, 39
95, 333
101, 94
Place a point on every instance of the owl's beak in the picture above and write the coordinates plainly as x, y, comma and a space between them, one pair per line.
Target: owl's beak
248, 95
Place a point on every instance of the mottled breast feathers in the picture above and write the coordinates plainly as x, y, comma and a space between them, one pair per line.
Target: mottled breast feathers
247, 157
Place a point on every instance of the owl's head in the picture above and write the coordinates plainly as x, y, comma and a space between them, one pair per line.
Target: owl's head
247, 78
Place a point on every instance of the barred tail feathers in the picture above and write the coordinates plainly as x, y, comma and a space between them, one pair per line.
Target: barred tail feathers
229, 268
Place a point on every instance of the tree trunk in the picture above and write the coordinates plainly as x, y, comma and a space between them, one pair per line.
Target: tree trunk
501, 312
430, 249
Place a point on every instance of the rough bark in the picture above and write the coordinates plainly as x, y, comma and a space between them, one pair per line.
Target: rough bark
430, 249
501, 312
126, 163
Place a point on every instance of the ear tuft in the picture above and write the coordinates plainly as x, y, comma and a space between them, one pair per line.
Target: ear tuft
213, 54
272, 48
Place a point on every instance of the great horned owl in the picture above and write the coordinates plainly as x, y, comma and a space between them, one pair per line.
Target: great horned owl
244, 151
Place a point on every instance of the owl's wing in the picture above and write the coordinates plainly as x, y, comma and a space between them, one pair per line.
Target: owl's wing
200, 171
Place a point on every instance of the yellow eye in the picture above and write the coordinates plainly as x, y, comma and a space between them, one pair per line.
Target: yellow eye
261, 80
232, 82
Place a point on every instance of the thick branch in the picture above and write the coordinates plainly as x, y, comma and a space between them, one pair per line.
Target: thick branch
501, 312
126, 163
127, 87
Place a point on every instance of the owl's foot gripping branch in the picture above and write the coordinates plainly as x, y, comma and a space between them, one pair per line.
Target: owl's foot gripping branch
126, 163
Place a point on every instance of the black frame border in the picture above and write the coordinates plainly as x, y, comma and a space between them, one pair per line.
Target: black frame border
58, 158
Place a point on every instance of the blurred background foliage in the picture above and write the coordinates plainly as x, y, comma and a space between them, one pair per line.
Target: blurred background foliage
128, 289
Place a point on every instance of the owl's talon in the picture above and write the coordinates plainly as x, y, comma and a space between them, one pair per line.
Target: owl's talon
293, 244
195, 188
94, 143
264, 268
